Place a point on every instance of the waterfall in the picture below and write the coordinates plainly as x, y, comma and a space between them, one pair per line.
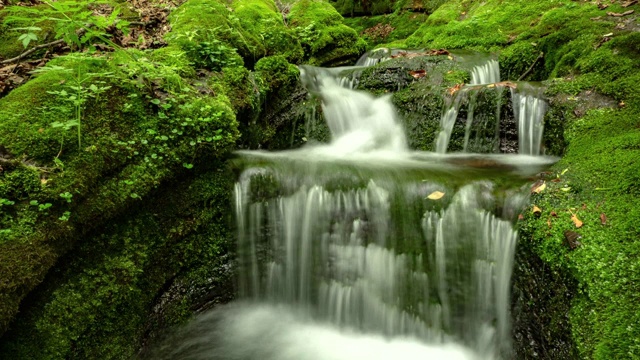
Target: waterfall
487, 72
363, 249
529, 111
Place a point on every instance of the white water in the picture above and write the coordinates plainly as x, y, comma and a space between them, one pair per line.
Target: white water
486, 73
529, 111
343, 256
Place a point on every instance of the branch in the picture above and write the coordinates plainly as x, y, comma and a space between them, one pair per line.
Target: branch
30, 51
531, 67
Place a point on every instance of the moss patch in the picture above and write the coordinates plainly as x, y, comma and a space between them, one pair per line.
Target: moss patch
324, 37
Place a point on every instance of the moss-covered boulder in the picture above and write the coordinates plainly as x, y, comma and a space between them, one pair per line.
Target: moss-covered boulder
324, 37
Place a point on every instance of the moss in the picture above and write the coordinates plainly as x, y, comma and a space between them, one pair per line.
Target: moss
602, 182
94, 303
131, 144
262, 17
386, 28
324, 37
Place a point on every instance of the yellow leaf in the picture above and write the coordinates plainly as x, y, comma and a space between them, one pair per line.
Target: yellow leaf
576, 221
536, 210
564, 171
436, 195
540, 188
565, 188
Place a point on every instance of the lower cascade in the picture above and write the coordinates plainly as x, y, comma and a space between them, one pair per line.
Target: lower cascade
363, 249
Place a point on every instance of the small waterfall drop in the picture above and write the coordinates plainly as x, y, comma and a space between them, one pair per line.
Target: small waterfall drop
487, 72
529, 111
361, 249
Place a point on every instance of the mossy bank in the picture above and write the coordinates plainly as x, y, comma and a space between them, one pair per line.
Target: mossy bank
115, 184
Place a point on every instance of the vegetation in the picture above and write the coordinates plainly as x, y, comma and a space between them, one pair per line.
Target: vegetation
585, 51
114, 173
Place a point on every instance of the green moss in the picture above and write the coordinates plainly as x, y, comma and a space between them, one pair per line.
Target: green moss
386, 28
602, 182
94, 304
324, 37
263, 18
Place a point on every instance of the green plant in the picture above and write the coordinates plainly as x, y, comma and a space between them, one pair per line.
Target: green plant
77, 93
74, 22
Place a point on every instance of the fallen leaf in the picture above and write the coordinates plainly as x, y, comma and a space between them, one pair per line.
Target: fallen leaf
564, 171
608, 35
554, 214
520, 217
549, 223
436, 195
629, 3
603, 219
571, 239
538, 189
566, 188
509, 84
417, 74
454, 89
628, 12
576, 221
536, 210
603, 6
43, 181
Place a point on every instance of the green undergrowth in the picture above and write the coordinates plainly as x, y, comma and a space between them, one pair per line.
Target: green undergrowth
326, 40
597, 180
354, 8
562, 31
96, 135
95, 305
389, 28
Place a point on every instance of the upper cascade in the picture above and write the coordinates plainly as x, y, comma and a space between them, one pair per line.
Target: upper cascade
358, 121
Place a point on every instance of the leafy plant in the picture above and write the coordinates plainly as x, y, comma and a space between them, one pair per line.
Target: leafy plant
83, 85
73, 21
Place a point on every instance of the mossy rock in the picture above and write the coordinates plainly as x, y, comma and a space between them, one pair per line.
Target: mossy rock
326, 40
263, 17
129, 146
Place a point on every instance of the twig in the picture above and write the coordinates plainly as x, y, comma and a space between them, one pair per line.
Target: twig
531, 67
30, 51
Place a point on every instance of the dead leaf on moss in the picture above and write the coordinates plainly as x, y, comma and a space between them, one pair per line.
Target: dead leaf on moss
628, 12
454, 89
571, 239
603, 219
629, 3
436, 195
576, 221
536, 210
538, 187
417, 74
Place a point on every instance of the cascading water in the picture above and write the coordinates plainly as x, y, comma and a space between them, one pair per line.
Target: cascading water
529, 111
362, 249
487, 72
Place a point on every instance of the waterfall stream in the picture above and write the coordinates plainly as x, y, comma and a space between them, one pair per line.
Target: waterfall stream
363, 249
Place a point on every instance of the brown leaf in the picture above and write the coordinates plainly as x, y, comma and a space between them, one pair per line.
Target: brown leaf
454, 89
603, 219
509, 84
571, 239
629, 3
602, 6
554, 214
539, 188
628, 12
576, 221
536, 210
417, 74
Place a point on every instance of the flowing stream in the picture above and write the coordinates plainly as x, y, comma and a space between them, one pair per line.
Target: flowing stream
363, 249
